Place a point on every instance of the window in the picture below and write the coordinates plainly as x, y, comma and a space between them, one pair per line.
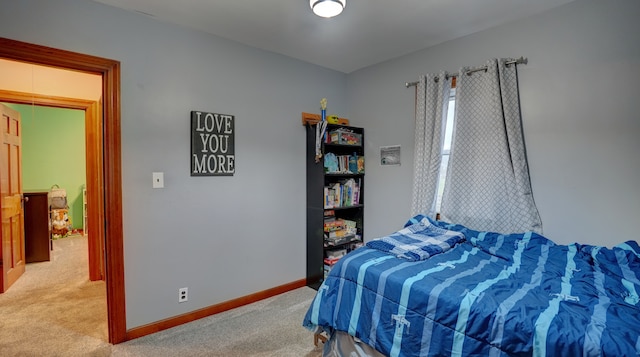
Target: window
446, 148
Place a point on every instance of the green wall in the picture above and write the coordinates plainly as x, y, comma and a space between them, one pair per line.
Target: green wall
53, 152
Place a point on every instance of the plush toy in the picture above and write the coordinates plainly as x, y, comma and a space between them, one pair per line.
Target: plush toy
60, 223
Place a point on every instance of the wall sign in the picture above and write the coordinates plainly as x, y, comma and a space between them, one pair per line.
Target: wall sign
212, 144
390, 155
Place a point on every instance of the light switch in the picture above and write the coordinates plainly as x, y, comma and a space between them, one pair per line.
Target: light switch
158, 179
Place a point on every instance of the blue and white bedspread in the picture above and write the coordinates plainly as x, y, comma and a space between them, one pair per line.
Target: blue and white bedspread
419, 240
490, 295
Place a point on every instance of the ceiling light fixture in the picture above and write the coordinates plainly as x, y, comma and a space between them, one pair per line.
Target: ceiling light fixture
327, 8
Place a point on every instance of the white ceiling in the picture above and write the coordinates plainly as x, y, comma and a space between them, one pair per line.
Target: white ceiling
366, 33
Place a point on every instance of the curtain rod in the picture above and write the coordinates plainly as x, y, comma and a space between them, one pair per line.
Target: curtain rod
521, 60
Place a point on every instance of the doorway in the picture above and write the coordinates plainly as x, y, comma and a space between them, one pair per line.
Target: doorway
93, 169
108, 194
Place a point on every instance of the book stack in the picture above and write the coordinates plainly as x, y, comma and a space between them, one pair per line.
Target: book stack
338, 231
332, 258
342, 194
343, 164
327, 268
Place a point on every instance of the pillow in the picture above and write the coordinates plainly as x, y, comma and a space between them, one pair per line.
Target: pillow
415, 219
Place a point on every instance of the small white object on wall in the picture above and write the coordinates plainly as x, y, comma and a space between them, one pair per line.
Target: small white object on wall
158, 180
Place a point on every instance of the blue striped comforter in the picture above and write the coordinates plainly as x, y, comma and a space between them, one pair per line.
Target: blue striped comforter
491, 295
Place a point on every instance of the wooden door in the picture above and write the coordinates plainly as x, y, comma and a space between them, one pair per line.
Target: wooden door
11, 214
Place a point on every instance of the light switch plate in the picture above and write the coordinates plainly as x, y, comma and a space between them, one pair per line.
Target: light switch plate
158, 179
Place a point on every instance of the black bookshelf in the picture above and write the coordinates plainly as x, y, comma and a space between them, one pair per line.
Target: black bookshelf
317, 180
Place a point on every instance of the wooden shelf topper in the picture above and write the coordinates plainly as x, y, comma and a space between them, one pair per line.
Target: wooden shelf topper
311, 119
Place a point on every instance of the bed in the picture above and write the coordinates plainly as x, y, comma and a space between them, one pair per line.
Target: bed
486, 294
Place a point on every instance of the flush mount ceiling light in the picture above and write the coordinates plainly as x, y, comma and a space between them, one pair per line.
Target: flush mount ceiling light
327, 8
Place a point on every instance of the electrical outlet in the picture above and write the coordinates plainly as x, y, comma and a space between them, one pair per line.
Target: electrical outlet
183, 294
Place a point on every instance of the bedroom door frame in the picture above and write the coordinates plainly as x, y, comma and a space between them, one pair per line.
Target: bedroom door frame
94, 174
111, 190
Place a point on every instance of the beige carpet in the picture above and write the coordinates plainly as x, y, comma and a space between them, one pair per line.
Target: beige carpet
54, 310
268, 328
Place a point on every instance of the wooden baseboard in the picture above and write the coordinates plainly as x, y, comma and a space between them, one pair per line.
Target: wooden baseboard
211, 310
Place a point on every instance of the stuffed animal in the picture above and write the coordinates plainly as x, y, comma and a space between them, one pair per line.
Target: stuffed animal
60, 223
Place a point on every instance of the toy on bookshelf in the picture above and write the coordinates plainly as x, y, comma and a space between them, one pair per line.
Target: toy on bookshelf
344, 136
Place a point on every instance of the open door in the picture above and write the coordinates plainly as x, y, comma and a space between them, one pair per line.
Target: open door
12, 215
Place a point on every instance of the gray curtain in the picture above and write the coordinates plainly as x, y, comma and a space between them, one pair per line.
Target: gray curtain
487, 185
432, 96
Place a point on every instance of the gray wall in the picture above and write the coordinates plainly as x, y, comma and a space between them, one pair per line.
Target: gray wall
223, 237
580, 107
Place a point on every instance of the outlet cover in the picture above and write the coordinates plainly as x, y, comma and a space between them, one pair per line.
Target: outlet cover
158, 179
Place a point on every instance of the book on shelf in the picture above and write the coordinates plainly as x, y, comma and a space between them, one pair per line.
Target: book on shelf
349, 224
340, 233
339, 224
332, 225
349, 192
334, 254
330, 262
342, 194
326, 270
353, 163
333, 242
343, 164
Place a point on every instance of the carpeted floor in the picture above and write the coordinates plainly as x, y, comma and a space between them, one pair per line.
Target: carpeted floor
271, 327
54, 310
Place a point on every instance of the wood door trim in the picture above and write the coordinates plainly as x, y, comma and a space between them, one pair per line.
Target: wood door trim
45, 100
111, 163
95, 192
